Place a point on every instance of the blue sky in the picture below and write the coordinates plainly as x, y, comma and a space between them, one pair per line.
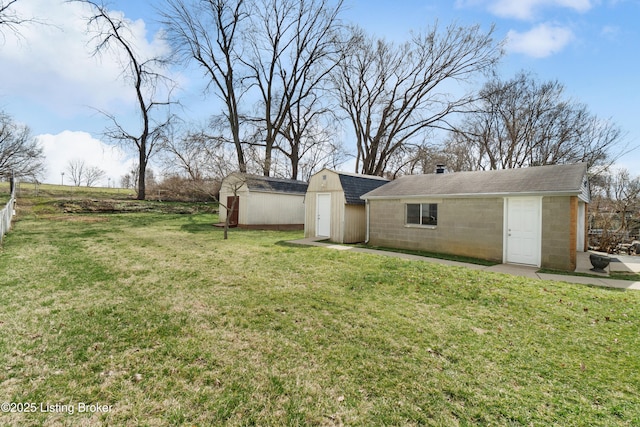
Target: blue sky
49, 81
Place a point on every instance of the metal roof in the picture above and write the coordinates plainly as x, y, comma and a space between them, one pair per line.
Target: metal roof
553, 179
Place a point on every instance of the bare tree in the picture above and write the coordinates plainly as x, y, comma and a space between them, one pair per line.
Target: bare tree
230, 208
308, 138
76, 169
20, 153
134, 173
318, 152
207, 32
113, 32
615, 208
8, 16
197, 160
523, 122
278, 50
92, 175
393, 94
292, 48
626, 194
416, 159
126, 181
197, 155
10, 19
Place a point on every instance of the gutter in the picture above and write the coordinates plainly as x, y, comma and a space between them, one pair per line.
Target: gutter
473, 195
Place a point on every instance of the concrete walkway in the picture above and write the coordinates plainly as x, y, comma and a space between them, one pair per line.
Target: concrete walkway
515, 270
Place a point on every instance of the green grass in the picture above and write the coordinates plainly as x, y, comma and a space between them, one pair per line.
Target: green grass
436, 255
617, 275
625, 275
5, 193
159, 317
28, 189
47, 200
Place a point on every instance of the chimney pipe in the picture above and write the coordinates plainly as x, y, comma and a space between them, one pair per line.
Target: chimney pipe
440, 168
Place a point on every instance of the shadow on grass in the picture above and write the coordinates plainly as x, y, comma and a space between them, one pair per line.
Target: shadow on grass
204, 227
288, 244
436, 255
617, 275
202, 223
424, 254
197, 228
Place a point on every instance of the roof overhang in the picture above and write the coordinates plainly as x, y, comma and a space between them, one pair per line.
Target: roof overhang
266, 191
477, 195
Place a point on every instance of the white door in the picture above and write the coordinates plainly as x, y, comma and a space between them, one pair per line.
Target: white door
323, 215
524, 235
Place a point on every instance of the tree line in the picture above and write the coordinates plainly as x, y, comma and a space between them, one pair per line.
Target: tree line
291, 79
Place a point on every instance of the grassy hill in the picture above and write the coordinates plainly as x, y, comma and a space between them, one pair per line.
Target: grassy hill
155, 315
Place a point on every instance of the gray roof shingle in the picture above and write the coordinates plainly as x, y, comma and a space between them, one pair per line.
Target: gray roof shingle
561, 179
355, 186
275, 185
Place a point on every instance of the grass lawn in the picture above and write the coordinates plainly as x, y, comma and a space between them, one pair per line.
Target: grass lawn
5, 194
625, 275
156, 316
458, 258
27, 189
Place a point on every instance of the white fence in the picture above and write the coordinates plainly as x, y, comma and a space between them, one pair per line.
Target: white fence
6, 214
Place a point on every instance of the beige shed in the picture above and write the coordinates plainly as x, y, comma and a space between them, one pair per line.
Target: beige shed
263, 202
333, 207
533, 216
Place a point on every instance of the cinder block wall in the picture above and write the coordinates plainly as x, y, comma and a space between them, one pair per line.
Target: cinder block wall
559, 228
468, 227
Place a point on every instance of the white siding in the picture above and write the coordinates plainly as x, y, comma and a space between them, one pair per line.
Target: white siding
348, 222
272, 209
325, 181
262, 208
355, 224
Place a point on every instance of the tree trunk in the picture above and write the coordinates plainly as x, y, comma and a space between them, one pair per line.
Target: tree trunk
227, 219
142, 172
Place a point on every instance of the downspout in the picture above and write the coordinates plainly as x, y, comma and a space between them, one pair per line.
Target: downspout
366, 208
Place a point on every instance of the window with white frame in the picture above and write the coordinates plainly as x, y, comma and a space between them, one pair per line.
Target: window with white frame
422, 214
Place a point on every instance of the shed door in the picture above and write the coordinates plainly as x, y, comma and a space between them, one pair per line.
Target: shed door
524, 235
323, 215
233, 213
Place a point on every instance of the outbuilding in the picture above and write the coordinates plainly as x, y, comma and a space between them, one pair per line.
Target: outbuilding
533, 216
262, 202
333, 207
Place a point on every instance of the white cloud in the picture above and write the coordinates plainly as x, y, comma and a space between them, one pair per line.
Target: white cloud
611, 32
539, 42
50, 77
526, 9
51, 63
67, 146
460, 4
